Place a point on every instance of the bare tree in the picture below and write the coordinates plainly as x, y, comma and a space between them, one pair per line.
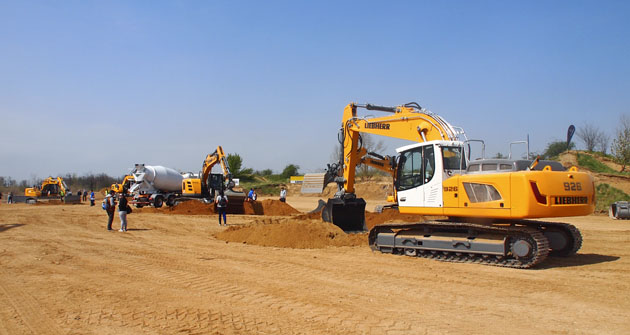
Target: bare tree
589, 134
367, 141
364, 171
621, 144
603, 142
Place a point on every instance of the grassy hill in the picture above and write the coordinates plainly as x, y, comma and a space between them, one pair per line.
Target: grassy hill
611, 185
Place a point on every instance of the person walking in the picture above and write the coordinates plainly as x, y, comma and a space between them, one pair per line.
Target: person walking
283, 194
222, 202
110, 207
123, 210
79, 194
10, 198
84, 195
92, 198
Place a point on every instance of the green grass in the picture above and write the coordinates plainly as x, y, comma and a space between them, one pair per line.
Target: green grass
267, 185
589, 162
602, 155
606, 195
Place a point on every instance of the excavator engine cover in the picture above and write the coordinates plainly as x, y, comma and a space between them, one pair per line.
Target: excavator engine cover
349, 214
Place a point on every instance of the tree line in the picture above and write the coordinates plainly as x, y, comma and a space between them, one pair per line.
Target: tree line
75, 182
596, 140
100, 181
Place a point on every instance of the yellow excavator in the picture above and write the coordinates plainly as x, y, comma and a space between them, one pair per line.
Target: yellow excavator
489, 203
208, 183
51, 188
124, 186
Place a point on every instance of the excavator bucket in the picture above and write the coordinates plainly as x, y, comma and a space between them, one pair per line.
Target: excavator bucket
349, 214
235, 201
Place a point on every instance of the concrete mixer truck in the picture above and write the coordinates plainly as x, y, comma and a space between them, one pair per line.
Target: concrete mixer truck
159, 185
154, 185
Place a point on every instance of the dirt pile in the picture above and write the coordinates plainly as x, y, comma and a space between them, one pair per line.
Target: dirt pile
390, 215
193, 207
268, 207
307, 231
292, 233
373, 219
376, 189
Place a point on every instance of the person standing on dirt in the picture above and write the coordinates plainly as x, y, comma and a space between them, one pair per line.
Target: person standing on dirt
10, 198
84, 195
222, 202
92, 198
123, 210
283, 194
110, 207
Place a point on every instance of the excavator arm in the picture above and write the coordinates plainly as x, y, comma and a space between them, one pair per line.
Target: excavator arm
408, 122
218, 156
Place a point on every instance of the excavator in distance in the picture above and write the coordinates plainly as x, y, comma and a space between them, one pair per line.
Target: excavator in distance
209, 183
50, 188
124, 186
489, 203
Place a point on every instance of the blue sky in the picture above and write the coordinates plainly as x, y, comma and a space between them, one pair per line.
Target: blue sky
96, 86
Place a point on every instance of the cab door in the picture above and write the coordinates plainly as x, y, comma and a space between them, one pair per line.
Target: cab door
409, 178
432, 176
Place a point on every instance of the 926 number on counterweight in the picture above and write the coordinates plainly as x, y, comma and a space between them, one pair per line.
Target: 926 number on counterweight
572, 186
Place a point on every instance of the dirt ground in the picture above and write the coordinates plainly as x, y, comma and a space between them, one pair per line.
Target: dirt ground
61, 272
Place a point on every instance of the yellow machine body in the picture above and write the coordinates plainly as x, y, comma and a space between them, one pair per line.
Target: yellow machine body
56, 186
126, 183
521, 195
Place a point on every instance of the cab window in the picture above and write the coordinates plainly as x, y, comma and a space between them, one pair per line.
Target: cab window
429, 163
416, 167
452, 158
410, 169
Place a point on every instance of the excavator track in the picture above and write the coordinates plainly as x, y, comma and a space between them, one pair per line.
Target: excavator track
513, 245
564, 239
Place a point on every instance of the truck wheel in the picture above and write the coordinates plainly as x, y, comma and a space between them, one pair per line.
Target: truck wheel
170, 201
159, 201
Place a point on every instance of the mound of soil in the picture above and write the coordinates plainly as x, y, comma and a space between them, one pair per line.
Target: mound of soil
191, 207
373, 219
377, 189
390, 215
291, 233
268, 207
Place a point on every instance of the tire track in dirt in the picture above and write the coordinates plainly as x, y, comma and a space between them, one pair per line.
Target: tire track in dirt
173, 272
27, 308
233, 294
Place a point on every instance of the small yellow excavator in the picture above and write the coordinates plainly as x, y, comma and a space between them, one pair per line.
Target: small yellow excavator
51, 188
208, 183
489, 203
124, 186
